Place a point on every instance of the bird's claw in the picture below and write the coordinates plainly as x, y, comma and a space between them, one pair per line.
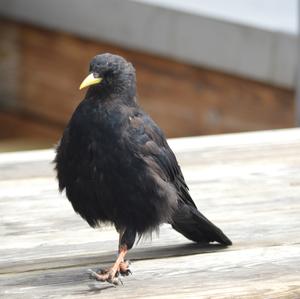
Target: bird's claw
124, 268
110, 275
106, 275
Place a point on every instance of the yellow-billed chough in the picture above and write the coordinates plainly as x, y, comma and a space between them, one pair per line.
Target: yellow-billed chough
116, 166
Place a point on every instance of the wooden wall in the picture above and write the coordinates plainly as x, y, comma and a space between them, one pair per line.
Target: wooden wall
43, 70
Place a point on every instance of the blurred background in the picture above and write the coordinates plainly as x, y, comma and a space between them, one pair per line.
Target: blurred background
203, 67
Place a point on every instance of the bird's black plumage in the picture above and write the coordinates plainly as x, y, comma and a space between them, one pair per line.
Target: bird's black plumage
116, 166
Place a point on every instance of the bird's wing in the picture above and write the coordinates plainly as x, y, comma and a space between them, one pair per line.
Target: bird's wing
150, 144
59, 159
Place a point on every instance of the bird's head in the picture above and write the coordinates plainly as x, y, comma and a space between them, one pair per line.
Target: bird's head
110, 72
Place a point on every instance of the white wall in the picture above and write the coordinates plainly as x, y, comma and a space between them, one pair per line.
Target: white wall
252, 38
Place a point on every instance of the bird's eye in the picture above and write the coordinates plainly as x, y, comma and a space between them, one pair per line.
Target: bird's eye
109, 73
96, 75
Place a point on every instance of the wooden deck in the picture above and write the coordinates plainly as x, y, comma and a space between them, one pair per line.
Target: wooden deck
246, 183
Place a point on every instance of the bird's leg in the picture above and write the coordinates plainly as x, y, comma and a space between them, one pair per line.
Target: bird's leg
124, 265
111, 274
126, 241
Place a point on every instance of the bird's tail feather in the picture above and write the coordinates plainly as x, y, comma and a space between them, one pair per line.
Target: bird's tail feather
193, 225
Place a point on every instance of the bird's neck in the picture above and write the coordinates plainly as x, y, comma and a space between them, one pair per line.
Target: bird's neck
125, 92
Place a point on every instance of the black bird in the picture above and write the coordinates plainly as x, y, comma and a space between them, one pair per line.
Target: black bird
116, 166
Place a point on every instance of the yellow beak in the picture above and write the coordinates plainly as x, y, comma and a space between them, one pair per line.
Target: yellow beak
90, 80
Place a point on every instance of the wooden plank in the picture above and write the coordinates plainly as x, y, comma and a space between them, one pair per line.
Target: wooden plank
207, 151
271, 272
46, 246
183, 99
248, 184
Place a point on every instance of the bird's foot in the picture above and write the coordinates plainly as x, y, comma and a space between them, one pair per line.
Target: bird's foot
124, 268
108, 275
111, 275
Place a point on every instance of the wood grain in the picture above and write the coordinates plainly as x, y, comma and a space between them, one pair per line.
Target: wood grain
246, 183
183, 99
